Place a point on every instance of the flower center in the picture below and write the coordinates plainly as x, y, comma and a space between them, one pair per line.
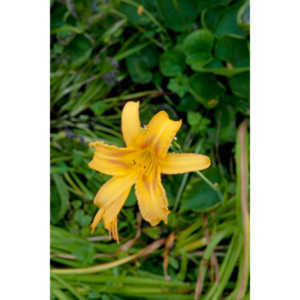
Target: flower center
144, 162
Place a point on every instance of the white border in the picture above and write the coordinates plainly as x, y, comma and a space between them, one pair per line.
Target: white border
24, 109
275, 180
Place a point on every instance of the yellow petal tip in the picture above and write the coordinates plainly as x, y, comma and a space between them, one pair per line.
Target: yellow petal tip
207, 163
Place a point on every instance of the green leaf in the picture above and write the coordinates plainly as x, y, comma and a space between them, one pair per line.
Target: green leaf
79, 49
193, 118
199, 197
187, 103
138, 69
223, 21
179, 85
85, 254
82, 219
152, 232
131, 200
58, 12
226, 120
228, 23
59, 168
99, 108
59, 200
203, 4
150, 56
178, 15
240, 85
240, 104
243, 16
197, 122
76, 204
198, 47
131, 13
205, 88
216, 67
233, 50
211, 17
172, 63
140, 64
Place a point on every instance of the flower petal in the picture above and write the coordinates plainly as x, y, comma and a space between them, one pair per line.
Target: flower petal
131, 125
152, 199
159, 133
110, 199
176, 163
112, 191
109, 159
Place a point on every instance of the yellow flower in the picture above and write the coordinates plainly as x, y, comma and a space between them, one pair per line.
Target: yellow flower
141, 163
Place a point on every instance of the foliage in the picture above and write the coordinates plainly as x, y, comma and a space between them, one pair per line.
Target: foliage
190, 58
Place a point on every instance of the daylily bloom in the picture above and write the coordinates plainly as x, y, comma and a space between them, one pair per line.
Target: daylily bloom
141, 162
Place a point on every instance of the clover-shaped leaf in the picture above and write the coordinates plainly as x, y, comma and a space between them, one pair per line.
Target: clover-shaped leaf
198, 47
172, 63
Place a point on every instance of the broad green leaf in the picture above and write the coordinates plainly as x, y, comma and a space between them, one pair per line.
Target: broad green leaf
138, 69
172, 63
150, 56
79, 49
198, 47
178, 15
206, 88
223, 21
139, 65
211, 17
233, 50
240, 85
199, 197
228, 23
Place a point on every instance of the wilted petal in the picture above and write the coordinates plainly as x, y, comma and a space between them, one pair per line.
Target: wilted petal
131, 126
110, 199
176, 163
